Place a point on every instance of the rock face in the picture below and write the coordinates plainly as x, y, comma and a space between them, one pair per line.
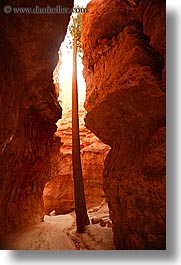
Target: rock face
28, 110
58, 193
93, 157
124, 68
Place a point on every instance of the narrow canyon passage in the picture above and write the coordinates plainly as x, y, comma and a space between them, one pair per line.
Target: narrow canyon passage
58, 194
48, 235
123, 136
59, 233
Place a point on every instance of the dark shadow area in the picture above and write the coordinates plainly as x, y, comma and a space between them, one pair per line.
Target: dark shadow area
171, 253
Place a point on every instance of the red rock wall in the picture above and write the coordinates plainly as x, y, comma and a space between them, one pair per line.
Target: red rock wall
93, 158
58, 193
124, 67
28, 110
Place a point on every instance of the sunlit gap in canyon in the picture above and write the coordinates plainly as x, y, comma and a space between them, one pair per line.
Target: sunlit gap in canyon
58, 195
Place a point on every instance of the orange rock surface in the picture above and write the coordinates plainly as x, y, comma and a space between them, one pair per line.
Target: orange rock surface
28, 109
58, 193
124, 68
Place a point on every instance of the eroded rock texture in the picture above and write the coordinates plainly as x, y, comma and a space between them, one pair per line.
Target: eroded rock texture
124, 67
93, 158
58, 193
28, 109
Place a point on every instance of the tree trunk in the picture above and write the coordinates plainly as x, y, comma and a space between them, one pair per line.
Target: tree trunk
80, 205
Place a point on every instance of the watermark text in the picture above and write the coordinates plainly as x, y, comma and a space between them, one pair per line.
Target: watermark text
43, 10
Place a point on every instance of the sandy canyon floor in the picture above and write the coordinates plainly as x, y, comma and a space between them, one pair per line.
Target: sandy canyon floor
59, 233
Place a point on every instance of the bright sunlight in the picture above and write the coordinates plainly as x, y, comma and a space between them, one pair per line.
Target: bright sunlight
63, 72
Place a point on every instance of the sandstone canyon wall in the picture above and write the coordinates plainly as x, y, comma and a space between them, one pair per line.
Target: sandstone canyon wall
124, 68
58, 193
28, 109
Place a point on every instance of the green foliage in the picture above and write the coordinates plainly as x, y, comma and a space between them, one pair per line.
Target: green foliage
75, 28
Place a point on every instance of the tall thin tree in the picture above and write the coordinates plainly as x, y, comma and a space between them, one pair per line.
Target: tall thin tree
80, 204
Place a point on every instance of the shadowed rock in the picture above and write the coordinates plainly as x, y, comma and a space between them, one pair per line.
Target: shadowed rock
124, 69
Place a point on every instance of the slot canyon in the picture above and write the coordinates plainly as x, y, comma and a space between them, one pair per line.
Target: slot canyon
123, 145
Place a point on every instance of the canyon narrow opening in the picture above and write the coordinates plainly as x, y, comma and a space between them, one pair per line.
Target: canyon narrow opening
58, 194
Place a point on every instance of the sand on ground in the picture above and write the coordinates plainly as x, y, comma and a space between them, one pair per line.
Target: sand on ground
59, 233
